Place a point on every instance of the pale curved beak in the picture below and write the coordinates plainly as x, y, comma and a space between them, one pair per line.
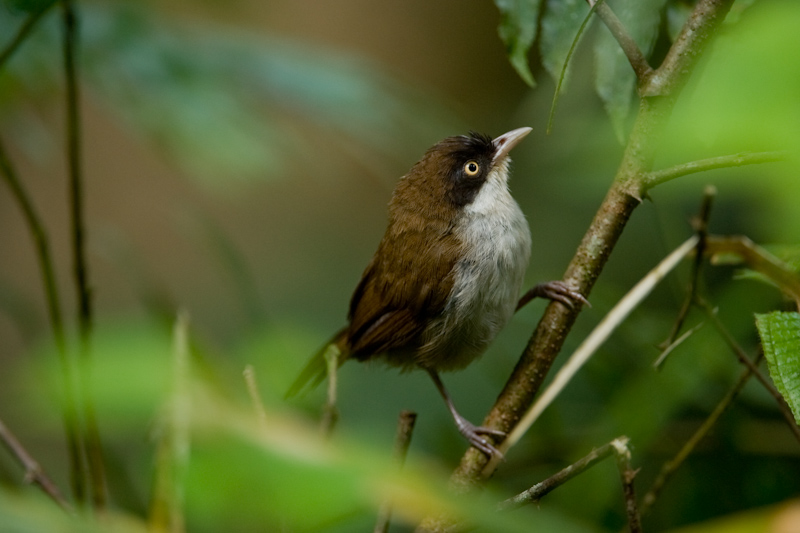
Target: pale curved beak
504, 143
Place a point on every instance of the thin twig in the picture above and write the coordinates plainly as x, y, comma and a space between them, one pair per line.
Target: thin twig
543, 488
673, 464
33, 471
94, 450
405, 427
745, 360
635, 56
701, 227
22, 33
42, 247
741, 159
627, 474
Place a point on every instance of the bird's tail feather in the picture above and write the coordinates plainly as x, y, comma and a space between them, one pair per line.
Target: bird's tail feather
317, 368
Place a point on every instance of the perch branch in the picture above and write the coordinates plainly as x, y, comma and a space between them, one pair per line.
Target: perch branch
741, 159
33, 471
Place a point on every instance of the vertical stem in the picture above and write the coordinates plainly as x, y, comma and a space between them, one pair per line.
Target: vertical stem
42, 246
92, 434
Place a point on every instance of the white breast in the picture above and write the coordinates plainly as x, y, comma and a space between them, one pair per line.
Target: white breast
487, 280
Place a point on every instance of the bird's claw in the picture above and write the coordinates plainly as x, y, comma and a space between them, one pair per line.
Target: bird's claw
474, 434
560, 292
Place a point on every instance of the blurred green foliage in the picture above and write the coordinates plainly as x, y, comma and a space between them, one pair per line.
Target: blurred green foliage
236, 110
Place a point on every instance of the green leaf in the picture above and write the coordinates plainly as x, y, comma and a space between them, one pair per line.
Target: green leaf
517, 30
780, 337
560, 23
615, 80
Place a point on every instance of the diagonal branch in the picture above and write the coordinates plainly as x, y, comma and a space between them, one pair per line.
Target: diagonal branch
657, 177
33, 471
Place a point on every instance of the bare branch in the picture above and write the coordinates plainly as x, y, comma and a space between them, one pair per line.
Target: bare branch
543, 488
741, 159
627, 474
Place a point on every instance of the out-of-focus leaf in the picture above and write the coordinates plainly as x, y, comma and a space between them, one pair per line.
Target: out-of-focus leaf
746, 100
560, 23
615, 79
277, 473
27, 6
27, 514
780, 337
775, 519
788, 253
517, 30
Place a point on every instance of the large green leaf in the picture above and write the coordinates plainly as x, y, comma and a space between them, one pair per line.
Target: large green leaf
780, 337
615, 79
518, 22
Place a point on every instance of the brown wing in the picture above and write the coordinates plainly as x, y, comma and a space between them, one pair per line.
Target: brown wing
406, 283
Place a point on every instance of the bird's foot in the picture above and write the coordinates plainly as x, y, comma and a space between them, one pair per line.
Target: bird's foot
557, 291
474, 434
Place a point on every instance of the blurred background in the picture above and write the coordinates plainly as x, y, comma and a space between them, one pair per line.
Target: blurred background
238, 159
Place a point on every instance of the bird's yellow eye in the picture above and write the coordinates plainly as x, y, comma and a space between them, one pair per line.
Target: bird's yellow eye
472, 168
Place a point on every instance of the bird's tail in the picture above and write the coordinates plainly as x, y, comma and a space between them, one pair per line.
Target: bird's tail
317, 368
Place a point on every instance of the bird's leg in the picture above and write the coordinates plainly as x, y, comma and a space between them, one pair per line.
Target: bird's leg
553, 290
470, 431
